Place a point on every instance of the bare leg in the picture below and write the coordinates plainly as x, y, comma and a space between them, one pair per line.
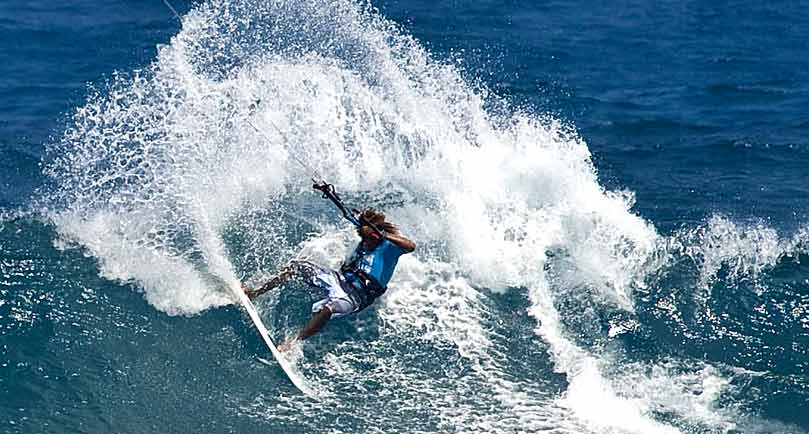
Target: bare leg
317, 322
291, 270
319, 319
283, 277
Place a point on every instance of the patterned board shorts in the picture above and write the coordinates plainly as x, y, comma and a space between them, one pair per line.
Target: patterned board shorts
326, 279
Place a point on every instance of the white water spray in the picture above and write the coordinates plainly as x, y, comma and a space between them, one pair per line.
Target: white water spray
163, 179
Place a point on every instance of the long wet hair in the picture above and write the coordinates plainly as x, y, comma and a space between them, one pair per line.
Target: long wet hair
377, 219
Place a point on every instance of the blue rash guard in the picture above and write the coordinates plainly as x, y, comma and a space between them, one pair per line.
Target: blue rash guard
368, 272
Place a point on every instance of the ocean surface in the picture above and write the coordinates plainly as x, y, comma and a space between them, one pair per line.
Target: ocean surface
610, 202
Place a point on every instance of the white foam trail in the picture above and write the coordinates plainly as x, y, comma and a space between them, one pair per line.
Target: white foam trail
169, 283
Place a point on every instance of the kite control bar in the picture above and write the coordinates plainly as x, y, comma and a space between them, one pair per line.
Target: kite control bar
330, 193
351, 215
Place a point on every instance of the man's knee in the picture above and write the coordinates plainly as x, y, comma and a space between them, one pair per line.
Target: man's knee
341, 306
326, 311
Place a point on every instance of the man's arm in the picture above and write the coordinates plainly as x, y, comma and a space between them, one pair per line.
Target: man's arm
396, 238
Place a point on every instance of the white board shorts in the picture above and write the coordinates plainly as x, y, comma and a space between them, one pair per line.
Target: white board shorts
337, 300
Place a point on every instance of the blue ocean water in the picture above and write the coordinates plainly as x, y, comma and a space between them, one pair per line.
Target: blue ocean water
609, 201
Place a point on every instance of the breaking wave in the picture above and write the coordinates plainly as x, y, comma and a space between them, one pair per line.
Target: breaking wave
193, 173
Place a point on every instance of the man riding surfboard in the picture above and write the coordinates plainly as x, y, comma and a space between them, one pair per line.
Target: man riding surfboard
362, 278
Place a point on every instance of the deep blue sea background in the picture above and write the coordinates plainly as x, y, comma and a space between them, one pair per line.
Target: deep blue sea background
699, 108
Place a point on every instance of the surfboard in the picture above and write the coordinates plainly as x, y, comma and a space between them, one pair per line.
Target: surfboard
288, 368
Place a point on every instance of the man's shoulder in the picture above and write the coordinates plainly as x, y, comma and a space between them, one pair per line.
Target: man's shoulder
390, 246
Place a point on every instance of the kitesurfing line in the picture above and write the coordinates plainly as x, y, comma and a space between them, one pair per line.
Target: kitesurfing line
310, 169
328, 190
320, 185
174, 11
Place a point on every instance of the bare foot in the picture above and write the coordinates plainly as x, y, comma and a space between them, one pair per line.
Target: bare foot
248, 292
286, 346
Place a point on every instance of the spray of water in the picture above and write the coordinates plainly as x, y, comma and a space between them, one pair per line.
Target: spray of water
163, 179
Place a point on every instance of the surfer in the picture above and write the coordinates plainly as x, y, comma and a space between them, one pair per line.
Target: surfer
362, 278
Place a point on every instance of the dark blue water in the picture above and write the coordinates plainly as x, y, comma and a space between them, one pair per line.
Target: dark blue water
658, 284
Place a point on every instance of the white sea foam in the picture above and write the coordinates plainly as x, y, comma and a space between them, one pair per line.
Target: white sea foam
744, 250
163, 167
